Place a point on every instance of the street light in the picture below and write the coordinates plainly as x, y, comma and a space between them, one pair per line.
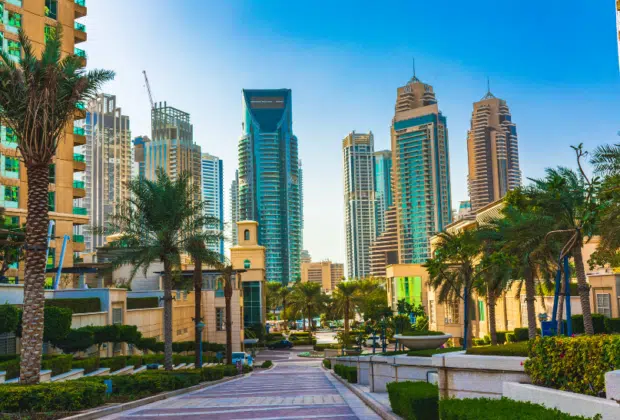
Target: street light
199, 327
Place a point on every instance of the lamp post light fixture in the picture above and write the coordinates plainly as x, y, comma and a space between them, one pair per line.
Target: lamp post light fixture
199, 327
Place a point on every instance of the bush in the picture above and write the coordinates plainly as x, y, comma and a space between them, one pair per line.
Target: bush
129, 334
598, 322
266, 364
247, 369
47, 397
77, 340
148, 383
135, 361
143, 302
511, 338
323, 346
521, 334
573, 364
114, 363
487, 339
304, 342
11, 367
229, 370
346, 372
183, 346
89, 364
77, 306
612, 325
501, 336
212, 373
9, 317
57, 363
414, 400
487, 409
430, 352
298, 334
327, 363
478, 342
512, 349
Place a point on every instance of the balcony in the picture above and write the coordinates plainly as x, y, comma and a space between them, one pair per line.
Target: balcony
78, 189
78, 243
80, 111
80, 8
17, 3
81, 54
79, 33
79, 136
79, 164
80, 211
78, 239
78, 157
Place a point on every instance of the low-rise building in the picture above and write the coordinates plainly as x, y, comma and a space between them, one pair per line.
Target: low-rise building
325, 273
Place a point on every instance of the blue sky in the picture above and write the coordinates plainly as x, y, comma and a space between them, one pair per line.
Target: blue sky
555, 62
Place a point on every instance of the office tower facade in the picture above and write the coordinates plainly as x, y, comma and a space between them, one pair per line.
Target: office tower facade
212, 176
493, 152
172, 146
325, 273
269, 184
384, 250
464, 211
66, 214
107, 154
305, 256
383, 186
234, 208
139, 163
421, 170
359, 201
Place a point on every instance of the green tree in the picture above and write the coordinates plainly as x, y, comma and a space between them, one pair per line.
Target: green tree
150, 229
12, 240
38, 101
370, 294
228, 278
284, 294
308, 300
343, 299
273, 299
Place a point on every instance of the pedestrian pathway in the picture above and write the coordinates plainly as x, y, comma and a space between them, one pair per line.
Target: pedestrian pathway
288, 391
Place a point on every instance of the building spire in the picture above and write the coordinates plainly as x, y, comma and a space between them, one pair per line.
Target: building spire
489, 95
414, 79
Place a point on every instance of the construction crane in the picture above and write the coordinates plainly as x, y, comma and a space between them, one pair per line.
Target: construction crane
148, 88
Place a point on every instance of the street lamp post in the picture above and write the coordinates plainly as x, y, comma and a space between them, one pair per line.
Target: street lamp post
199, 327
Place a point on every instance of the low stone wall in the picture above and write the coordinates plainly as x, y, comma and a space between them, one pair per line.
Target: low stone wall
68, 376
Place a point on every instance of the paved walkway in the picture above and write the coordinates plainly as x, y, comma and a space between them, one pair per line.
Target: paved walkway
288, 391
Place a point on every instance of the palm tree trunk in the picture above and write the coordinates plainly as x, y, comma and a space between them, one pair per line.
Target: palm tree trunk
197, 308
34, 275
284, 314
492, 327
584, 288
310, 324
530, 293
560, 314
228, 292
167, 315
346, 323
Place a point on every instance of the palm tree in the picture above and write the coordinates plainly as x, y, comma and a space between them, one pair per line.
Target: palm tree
38, 101
455, 269
370, 295
149, 229
307, 299
273, 298
343, 299
284, 293
228, 277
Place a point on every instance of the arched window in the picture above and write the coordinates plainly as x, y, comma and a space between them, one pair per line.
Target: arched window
246, 263
246, 235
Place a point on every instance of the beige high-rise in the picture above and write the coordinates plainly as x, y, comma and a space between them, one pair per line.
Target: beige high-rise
325, 273
493, 152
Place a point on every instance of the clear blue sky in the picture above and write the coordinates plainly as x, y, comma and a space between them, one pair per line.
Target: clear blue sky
555, 62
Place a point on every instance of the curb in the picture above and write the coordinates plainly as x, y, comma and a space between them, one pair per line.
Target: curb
114, 409
376, 407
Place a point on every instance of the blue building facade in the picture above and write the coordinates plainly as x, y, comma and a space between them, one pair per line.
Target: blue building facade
269, 189
383, 186
212, 188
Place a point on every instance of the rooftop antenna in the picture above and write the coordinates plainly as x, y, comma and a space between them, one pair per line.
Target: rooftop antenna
489, 95
413, 59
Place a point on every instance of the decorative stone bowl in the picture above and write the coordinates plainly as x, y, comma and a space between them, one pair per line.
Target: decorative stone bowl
422, 342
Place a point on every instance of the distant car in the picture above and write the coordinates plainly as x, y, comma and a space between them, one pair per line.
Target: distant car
245, 359
281, 344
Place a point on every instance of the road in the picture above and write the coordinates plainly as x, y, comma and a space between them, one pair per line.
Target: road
296, 388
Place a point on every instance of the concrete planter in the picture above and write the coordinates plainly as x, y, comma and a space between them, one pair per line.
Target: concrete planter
332, 352
68, 376
422, 342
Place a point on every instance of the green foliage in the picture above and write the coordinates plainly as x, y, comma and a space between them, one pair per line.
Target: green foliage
488, 409
246, 369
77, 306
487, 339
187, 346
511, 338
323, 346
213, 373
9, 318
304, 342
274, 337
143, 302
575, 364
521, 334
89, 364
11, 367
431, 352
114, 363
57, 363
50, 397
77, 340
327, 363
545, 290
266, 364
478, 342
612, 325
148, 383
422, 333
512, 349
346, 372
598, 322
414, 400
501, 336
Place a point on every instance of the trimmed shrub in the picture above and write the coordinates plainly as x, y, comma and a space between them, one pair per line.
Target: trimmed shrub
427, 332
598, 322
478, 341
212, 373
327, 363
246, 369
57, 363
135, 361
304, 342
414, 400
229, 370
114, 363
487, 339
501, 336
143, 302
521, 334
429, 353
89, 364
9, 318
487, 409
299, 334
512, 349
77, 306
511, 338
11, 367
346, 372
47, 397
129, 334
149, 359
573, 364
323, 346
77, 340
148, 383
266, 364
612, 325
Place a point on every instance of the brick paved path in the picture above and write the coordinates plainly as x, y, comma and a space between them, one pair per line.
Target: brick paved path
288, 391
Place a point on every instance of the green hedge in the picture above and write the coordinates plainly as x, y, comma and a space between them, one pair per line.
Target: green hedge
414, 400
598, 322
56, 363
266, 364
147, 383
11, 367
501, 336
9, 318
487, 409
212, 373
77, 306
511, 349
478, 341
114, 363
419, 333
576, 364
327, 363
511, 338
431, 352
304, 342
521, 334
89, 364
324, 346
143, 302
346, 372
48, 397
274, 336
612, 325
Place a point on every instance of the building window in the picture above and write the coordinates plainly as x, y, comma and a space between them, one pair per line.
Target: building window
252, 303
117, 316
603, 304
431, 311
14, 19
49, 32
452, 312
51, 9
246, 264
481, 310
220, 319
246, 235
14, 49
51, 201
52, 173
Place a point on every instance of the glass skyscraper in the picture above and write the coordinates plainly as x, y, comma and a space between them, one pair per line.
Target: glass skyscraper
421, 170
383, 189
269, 179
213, 194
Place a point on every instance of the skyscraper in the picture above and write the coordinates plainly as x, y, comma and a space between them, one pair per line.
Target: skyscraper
421, 170
139, 165
383, 186
107, 154
213, 194
234, 207
359, 201
493, 152
384, 250
269, 184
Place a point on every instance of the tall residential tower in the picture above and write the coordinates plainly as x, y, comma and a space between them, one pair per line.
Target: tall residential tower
383, 186
213, 194
269, 184
421, 170
493, 152
359, 201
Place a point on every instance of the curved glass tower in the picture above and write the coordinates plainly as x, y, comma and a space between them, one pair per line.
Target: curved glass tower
269, 179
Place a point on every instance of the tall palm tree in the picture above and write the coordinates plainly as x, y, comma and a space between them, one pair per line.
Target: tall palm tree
308, 299
284, 292
149, 229
370, 295
38, 101
455, 269
228, 277
343, 299
273, 298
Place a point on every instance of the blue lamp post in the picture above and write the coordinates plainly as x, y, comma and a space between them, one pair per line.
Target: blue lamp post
199, 327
